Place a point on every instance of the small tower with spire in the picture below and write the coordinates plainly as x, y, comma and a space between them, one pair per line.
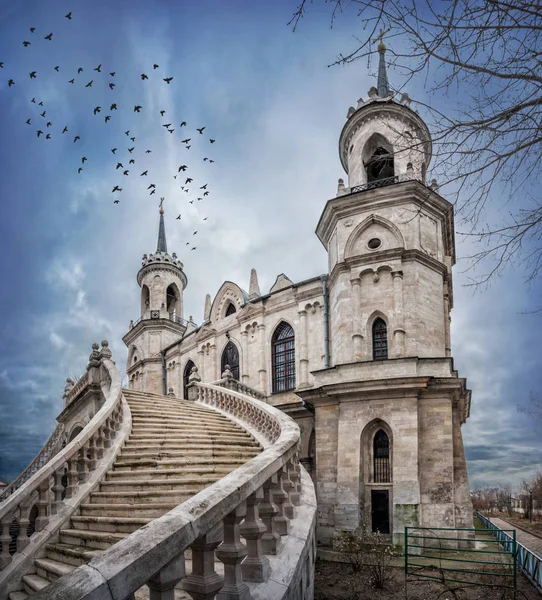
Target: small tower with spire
162, 282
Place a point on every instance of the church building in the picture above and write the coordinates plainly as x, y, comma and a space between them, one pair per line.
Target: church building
359, 356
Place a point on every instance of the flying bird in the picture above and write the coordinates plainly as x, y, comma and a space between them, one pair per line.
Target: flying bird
113, 107
65, 129
198, 199
186, 141
194, 232
97, 109
194, 248
112, 74
188, 147
144, 173
32, 29
162, 113
203, 187
152, 185
11, 82
111, 86
179, 218
48, 136
25, 44
211, 161
130, 150
200, 129
188, 180
171, 130
39, 132
83, 159
40, 103
71, 81
48, 37
126, 172
28, 122
133, 139
182, 168
49, 123
152, 192
116, 201
43, 113
68, 16
32, 75
205, 159
76, 138
137, 108
212, 141
98, 68
191, 202
168, 80
155, 66
166, 125
79, 70
33, 100
57, 68
183, 124
120, 166
148, 151
89, 84
205, 218
107, 118
127, 132
143, 76
113, 150
205, 193
79, 169
116, 189
131, 161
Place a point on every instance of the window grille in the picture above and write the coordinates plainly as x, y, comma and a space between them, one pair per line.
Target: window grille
381, 457
380, 340
283, 358
230, 357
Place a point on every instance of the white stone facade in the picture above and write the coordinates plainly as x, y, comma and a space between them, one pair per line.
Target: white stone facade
390, 243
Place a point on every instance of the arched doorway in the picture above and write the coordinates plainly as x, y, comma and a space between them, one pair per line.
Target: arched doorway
230, 356
186, 377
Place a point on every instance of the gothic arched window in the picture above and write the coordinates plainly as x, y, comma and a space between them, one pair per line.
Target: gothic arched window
186, 377
380, 165
230, 309
381, 457
230, 357
283, 358
380, 339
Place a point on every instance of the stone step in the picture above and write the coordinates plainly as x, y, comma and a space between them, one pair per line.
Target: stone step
164, 404
109, 524
166, 428
18, 596
158, 435
145, 496
52, 569
165, 415
150, 475
184, 427
144, 485
158, 452
97, 540
138, 442
150, 510
34, 583
193, 462
70, 555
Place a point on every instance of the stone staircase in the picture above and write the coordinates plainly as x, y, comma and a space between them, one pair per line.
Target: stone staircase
175, 450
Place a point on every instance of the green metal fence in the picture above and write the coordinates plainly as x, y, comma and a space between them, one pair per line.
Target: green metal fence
461, 557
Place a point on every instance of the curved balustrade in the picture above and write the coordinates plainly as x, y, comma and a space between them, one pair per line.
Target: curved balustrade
37, 509
256, 502
50, 448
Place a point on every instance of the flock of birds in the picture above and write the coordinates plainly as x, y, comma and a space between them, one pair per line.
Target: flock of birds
124, 156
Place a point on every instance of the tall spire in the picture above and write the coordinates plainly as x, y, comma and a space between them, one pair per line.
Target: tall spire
162, 245
382, 84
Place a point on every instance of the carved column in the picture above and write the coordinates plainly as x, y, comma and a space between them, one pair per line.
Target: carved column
447, 321
73, 476
43, 505
83, 461
262, 370
23, 540
280, 497
204, 582
162, 585
268, 511
5, 538
215, 367
244, 358
201, 362
303, 351
232, 552
293, 475
399, 330
256, 565
357, 336
92, 453
57, 489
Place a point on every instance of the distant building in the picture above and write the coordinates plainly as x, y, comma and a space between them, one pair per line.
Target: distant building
360, 356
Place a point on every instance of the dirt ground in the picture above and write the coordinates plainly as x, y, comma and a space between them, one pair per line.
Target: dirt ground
336, 581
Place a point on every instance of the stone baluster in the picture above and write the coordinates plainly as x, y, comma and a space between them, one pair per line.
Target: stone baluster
204, 582
293, 476
282, 523
232, 552
289, 488
107, 434
57, 489
43, 505
268, 511
297, 467
23, 540
5, 538
100, 443
83, 462
72, 476
162, 585
256, 565
92, 453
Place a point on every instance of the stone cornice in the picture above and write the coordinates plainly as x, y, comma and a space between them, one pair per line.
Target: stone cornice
152, 325
162, 265
391, 195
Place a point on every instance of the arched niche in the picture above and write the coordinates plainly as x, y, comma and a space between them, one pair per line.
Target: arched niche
230, 357
145, 298
374, 227
173, 300
378, 158
229, 292
186, 377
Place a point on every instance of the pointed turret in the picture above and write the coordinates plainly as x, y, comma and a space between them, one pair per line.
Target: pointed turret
382, 82
254, 287
207, 309
162, 245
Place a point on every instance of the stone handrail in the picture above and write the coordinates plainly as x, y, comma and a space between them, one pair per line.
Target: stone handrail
257, 501
232, 384
56, 487
50, 448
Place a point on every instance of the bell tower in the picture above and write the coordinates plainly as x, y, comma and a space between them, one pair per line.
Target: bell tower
162, 282
389, 409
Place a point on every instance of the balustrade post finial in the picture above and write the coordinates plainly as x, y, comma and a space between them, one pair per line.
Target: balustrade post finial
192, 385
105, 352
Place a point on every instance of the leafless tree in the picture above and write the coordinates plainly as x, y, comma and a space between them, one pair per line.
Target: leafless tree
487, 55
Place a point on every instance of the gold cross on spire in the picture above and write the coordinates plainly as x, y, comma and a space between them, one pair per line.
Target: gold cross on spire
380, 38
161, 207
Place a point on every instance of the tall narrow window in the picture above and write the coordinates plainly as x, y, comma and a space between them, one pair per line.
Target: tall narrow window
230, 357
283, 358
381, 457
380, 340
186, 377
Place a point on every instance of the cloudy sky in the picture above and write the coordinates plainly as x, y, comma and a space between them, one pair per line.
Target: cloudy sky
70, 256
